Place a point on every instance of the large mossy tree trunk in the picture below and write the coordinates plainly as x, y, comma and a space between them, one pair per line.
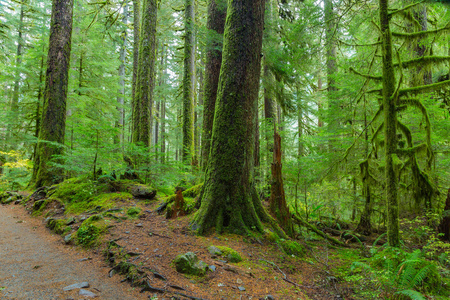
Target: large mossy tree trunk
146, 73
53, 120
217, 10
188, 153
136, 37
229, 200
390, 127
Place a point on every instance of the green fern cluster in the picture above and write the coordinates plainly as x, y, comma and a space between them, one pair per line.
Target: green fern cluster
398, 274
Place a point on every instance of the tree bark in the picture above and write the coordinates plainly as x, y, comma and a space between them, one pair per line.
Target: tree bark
15, 98
229, 200
215, 26
390, 127
136, 35
121, 97
278, 206
189, 83
146, 73
444, 227
51, 134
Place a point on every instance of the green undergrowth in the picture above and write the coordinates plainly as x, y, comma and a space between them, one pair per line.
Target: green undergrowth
394, 273
102, 201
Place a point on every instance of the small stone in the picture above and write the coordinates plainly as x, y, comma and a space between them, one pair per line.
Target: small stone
212, 268
139, 225
239, 281
68, 238
86, 293
221, 284
127, 232
76, 286
241, 288
269, 297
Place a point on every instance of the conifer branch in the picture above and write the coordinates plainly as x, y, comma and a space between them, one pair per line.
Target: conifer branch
424, 88
368, 76
404, 8
420, 34
424, 60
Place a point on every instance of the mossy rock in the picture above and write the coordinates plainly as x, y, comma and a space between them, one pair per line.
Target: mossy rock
230, 254
90, 232
189, 263
291, 247
58, 226
142, 191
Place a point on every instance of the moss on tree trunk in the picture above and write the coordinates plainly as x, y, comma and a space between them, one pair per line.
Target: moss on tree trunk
136, 36
216, 25
53, 120
189, 83
390, 127
146, 74
229, 200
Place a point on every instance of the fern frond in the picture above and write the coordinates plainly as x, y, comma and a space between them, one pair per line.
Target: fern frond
423, 274
413, 295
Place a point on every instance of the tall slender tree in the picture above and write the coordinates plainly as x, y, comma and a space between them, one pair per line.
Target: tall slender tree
188, 150
136, 36
146, 74
121, 96
217, 10
53, 124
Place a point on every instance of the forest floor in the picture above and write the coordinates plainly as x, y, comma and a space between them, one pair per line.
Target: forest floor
36, 263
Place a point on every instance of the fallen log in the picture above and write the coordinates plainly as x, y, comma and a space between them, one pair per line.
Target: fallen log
302, 222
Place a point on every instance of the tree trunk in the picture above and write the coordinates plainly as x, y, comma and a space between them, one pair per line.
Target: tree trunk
146, 73
121, 97
51, 134
189, 83
278, 206
136, 35
229, 200
15, 98
215, 25
444, 227
390, 127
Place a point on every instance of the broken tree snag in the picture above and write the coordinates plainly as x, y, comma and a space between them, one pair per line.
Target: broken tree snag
444, 227
278, 206
178, 208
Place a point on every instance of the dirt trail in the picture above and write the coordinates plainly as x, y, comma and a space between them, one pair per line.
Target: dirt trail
34, 264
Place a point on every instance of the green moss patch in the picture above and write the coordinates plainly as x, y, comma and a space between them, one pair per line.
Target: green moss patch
59, 226
134, 212
90, 232
100, 202
230, 254
291, 247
